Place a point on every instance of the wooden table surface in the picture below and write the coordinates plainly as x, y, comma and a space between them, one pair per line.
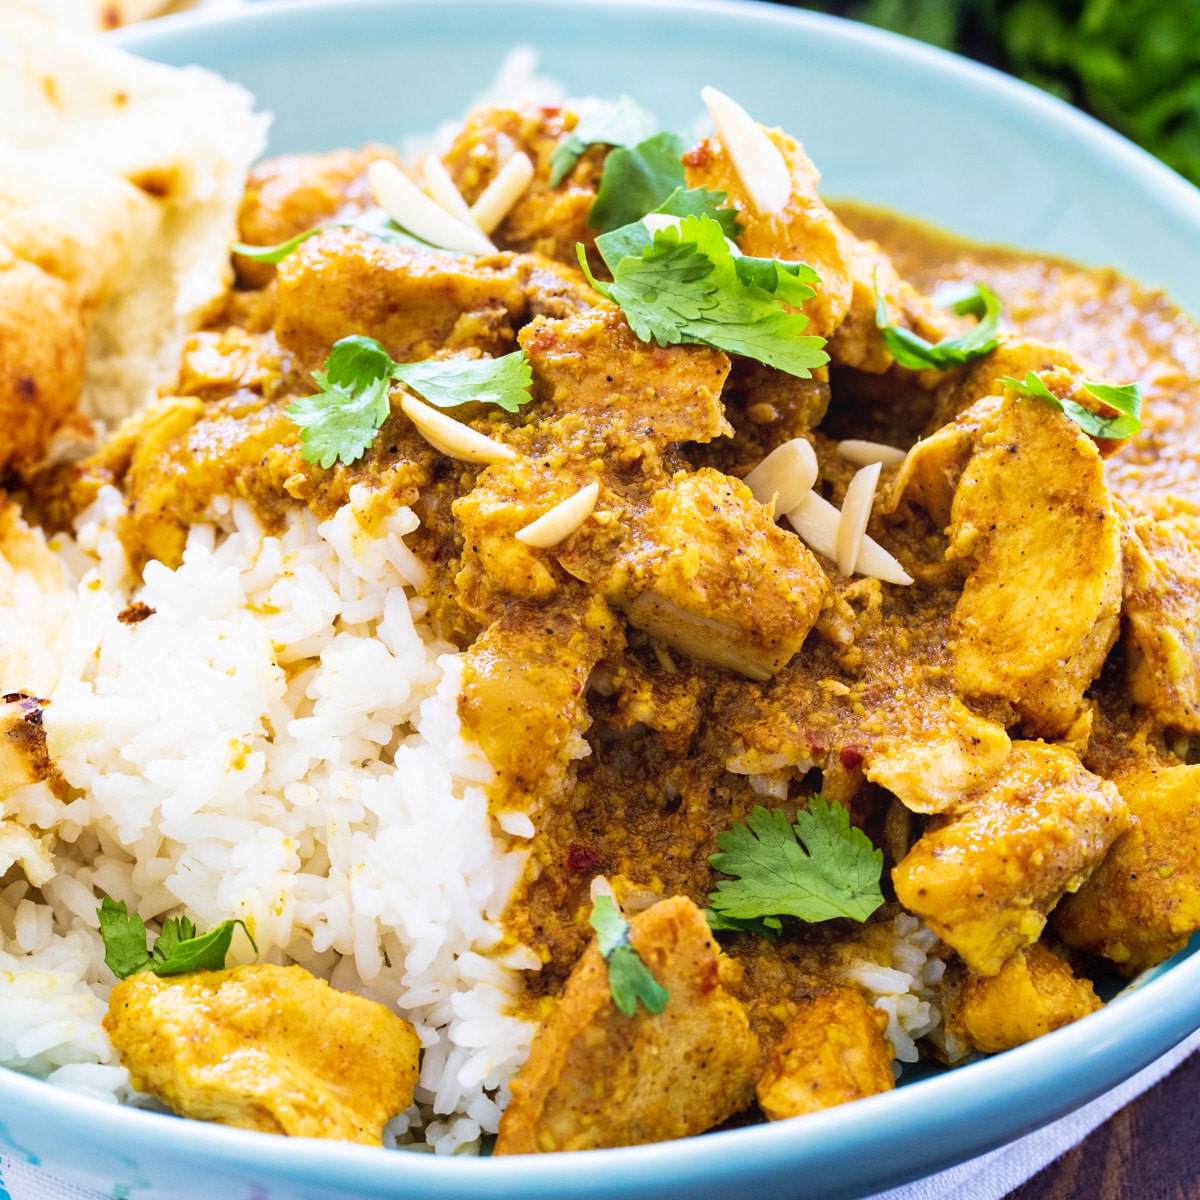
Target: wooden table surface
1150, 1150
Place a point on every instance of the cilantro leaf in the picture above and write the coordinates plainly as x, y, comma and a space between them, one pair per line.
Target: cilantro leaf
623, 124
174, 931
684, 284
817, 869
637, 179
702, 202
124, 937
768, 927
911, 350
1125, 398
629, 979
176, 949
374, 221
204, 953
340, 421
448, 382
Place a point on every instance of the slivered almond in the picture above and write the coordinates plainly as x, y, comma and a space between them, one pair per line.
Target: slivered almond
856, 511
503, 192
863, 454
408, 206
561, 521
789, 470
757, 160
816, 521
445, 191
451, 437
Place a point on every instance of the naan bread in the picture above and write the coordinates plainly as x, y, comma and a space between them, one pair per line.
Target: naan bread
119, 186
89, 15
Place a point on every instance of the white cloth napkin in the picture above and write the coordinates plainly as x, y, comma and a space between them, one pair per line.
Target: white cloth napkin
989, 1177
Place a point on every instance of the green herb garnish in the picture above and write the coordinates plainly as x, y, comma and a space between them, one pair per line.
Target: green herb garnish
374, 221
817, 869
684, 284
1125, 398
341, 420
768, 927
176, 950
911, 350
623, 124
629, 979
636, 180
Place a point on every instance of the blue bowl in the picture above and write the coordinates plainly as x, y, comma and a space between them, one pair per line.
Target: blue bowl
889, 122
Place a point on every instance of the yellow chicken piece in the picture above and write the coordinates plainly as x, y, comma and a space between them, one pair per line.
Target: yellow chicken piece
597, 1078
831, 1052
1162, 598
984, 880
1033, 521
675, 576
1034, 993
1143, 902
266, 1048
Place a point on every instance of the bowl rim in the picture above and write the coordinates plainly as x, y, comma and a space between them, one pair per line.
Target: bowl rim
1083, 1059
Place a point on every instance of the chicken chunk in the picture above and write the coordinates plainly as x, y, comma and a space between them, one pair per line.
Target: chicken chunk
1162, 598
414, 301
704, 568
593, 367
266, 1048
596, 1078
290, 194
1034, 524
831, 1052
986, 878
544, 220
1034, 993
1143, 902
523, 692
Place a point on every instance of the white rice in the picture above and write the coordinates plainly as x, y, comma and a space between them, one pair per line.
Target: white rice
896, 966
279, 742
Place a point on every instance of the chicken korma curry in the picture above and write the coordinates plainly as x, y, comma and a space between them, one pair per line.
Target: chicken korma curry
816, 595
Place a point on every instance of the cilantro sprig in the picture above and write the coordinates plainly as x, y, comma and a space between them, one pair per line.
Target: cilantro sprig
340, 420
629, 979
816, 869
374, 221
1125, 398
911, 350
176, 950
683, 283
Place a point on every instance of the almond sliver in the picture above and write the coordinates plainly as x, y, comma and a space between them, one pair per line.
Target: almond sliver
409, 207
562, 520
856, 511
789, 470
503, 192
817, 521
451, 437
863, 454
757, 160
445, 191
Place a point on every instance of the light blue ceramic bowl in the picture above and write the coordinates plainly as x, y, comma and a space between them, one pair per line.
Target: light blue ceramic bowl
889, 122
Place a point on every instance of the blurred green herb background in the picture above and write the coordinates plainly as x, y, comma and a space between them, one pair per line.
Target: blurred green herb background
1132, 63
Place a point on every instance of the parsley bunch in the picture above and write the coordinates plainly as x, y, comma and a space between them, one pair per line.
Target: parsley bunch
176, 950
815, 869
341, 420
629, 979
1125, 398
685, 284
